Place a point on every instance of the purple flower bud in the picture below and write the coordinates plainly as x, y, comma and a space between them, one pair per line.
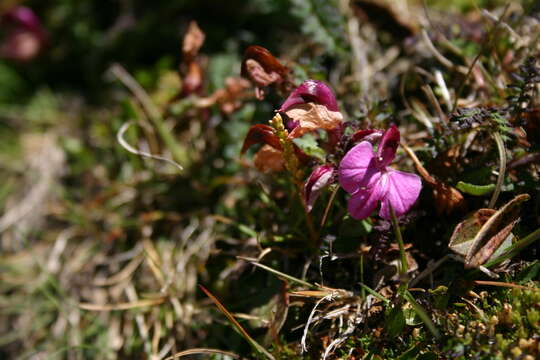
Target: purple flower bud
24, 37
321, 177
313, 91
370, 135
24, 17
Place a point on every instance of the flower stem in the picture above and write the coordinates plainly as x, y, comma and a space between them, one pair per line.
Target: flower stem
502, 169
328, 206
404, 267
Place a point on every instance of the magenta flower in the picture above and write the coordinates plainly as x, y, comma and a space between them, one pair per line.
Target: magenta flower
321, 177
365, 174
313, 91
24, 35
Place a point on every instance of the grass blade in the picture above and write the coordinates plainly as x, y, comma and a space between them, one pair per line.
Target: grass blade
202, 351
278, 273
236, 324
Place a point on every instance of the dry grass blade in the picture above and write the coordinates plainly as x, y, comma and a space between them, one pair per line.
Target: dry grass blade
131, 149
122, 306
278, 273
504, 284
122, 275
202, 351
236, 324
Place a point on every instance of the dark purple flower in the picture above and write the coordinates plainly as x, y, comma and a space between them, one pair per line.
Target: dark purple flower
23, 17
366, 175
25, 36
313, 91
321, 177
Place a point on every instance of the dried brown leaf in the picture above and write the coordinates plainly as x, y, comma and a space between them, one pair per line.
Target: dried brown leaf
386, 17
260, 134
311, 116
193, 40
269, 159
263, 69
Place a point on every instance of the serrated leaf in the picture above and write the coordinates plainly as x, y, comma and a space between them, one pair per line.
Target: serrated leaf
476, 190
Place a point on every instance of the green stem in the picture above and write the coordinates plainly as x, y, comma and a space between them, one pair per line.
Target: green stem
374, 293
404, 267
502, 169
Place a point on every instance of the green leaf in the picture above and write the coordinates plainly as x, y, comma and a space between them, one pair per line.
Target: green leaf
532, 272
476, 190
323, 22
427, 356
395, 322
308, 144
411, 354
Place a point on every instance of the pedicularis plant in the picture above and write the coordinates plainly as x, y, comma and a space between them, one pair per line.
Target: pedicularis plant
363, 172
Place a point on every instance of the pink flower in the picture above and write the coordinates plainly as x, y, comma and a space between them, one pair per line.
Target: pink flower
321, 177
311, 91
365, 174
24, 35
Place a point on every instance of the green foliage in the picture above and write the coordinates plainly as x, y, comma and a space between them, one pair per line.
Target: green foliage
476, 190
323, 22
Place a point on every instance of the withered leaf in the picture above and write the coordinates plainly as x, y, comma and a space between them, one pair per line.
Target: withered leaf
311, 116
269, 159
229, 98
262, 68
383, 15
193, 40
447, 198
266, 60
261, 134
478, 237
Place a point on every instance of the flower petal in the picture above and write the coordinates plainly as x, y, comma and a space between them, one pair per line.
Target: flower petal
311, 91
371, 135
403, 191
358, 168
388, 146
319, 178
364, 201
